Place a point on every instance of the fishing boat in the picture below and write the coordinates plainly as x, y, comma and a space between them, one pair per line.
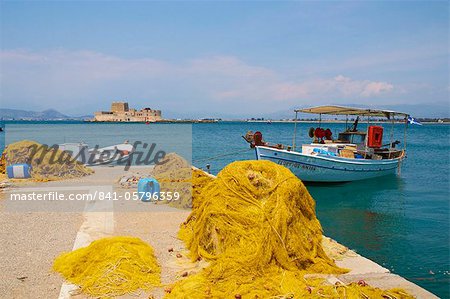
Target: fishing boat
98, 156
350, 156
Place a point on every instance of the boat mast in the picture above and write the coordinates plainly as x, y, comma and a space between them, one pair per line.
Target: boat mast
295, 131
391, 135
404, 134
367, 135
399, 167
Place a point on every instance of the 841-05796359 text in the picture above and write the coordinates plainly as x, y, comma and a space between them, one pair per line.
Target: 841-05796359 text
96, 195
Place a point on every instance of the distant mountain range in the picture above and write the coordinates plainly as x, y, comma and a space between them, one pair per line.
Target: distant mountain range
430, 110
50, 114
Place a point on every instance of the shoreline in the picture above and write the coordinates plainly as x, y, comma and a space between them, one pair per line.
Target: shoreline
74, 121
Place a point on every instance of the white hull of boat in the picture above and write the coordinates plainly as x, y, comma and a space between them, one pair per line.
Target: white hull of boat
323, 168
109, 155
98, 156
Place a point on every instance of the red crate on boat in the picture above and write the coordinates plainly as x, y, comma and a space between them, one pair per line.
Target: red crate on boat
375, 136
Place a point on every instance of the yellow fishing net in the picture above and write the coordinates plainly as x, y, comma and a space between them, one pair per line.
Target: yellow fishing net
200, 180
111, 267
188, 182
3, 163
262, 208
274, 282
256, 225
176, 181
176, 175
47, 163
171, 161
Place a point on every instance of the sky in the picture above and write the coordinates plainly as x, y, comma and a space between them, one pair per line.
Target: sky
224, 58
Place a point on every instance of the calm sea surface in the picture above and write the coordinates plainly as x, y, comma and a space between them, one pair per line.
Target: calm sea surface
401, 222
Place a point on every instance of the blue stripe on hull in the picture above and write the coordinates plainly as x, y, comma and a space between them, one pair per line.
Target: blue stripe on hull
328, 169
320, 166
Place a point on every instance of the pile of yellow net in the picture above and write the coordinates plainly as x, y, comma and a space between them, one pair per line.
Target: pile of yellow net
47, 163
111, 267
176, 175
176, 180
3, 163
256, 226
170, 162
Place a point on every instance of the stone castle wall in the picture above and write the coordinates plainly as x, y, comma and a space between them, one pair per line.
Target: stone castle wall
120, 112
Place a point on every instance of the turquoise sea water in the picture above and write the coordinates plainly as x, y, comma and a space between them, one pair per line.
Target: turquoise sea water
401, 222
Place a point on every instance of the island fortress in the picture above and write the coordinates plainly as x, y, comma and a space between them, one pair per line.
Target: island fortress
121, 112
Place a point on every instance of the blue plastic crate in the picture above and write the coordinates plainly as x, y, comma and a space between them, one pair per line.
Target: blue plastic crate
19, 171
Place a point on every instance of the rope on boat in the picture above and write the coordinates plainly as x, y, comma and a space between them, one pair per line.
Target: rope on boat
223, 155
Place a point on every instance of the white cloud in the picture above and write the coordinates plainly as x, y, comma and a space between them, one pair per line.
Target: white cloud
375, 88
67, 79
340, 87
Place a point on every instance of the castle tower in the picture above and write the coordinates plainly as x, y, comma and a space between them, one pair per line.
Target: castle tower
119, 107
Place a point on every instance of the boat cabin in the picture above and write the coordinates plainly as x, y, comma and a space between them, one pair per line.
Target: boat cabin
351, 137
352, 143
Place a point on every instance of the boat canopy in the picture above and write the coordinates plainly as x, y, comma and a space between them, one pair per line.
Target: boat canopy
342, 110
